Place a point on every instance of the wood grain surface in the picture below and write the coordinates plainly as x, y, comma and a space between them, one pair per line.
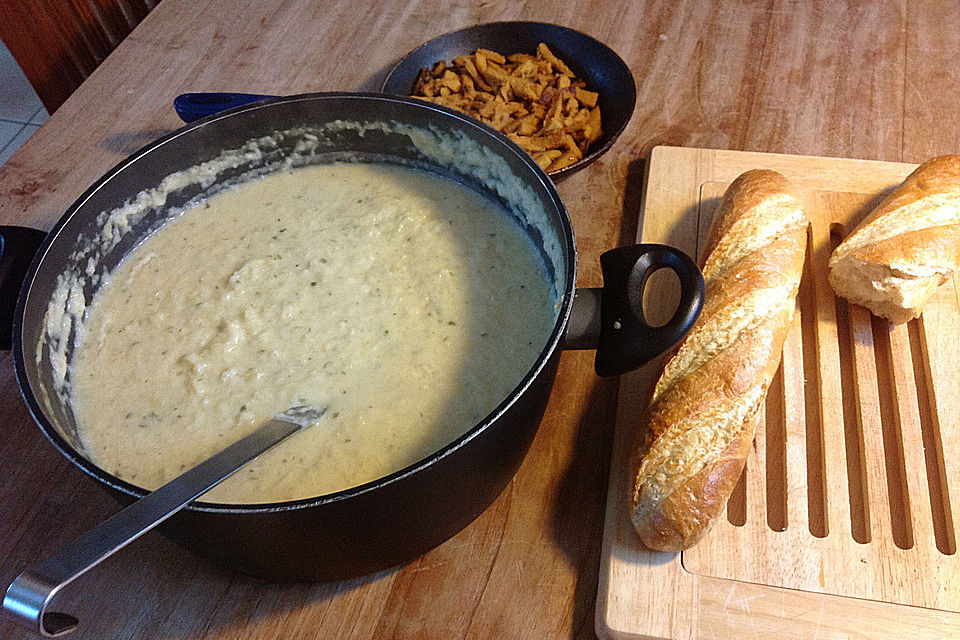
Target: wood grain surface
873, 80
842, 524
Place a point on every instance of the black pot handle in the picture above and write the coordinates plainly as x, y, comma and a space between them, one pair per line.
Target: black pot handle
17, 248
612, 319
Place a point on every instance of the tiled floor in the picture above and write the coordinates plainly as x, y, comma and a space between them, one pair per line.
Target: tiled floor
21, 112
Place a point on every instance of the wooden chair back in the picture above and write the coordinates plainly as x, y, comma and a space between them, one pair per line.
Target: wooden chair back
58, 43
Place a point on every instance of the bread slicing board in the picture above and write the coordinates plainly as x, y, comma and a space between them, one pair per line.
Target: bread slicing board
844, 523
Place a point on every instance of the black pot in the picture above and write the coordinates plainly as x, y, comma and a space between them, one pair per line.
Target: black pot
396, 518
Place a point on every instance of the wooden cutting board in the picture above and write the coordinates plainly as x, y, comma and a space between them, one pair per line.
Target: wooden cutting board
843, 524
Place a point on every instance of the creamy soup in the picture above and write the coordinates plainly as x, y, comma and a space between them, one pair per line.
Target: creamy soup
405, 303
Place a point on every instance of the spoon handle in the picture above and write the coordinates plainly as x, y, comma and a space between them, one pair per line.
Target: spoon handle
31, 592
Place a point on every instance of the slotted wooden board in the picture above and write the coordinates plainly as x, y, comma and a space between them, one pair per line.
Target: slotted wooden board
843, 524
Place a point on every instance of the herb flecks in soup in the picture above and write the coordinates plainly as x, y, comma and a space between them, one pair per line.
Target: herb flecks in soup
408, 305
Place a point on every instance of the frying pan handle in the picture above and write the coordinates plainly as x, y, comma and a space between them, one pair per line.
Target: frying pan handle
17, 248
612, 319
193, 106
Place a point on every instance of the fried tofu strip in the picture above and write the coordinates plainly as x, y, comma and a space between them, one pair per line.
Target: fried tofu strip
536, 100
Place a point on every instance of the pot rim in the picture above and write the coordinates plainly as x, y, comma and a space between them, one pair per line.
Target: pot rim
133, 491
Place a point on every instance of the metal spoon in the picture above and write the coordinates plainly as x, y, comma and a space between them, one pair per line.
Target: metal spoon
30, 594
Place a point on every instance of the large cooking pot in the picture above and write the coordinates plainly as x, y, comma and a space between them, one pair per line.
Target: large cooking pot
396, 518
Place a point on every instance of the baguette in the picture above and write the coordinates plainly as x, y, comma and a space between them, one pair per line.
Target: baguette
904, 249
698, 428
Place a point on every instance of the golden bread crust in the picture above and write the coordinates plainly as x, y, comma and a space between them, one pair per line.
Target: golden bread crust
896, 257
697, 431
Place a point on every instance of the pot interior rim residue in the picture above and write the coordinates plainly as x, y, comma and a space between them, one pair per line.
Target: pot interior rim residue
435, 144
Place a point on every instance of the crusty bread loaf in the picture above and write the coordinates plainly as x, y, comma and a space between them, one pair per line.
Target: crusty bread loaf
905, 248
698, 428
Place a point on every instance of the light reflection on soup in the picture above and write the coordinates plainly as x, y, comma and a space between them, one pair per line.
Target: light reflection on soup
408, 305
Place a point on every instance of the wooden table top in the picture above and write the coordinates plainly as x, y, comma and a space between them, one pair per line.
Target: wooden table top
852, 79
